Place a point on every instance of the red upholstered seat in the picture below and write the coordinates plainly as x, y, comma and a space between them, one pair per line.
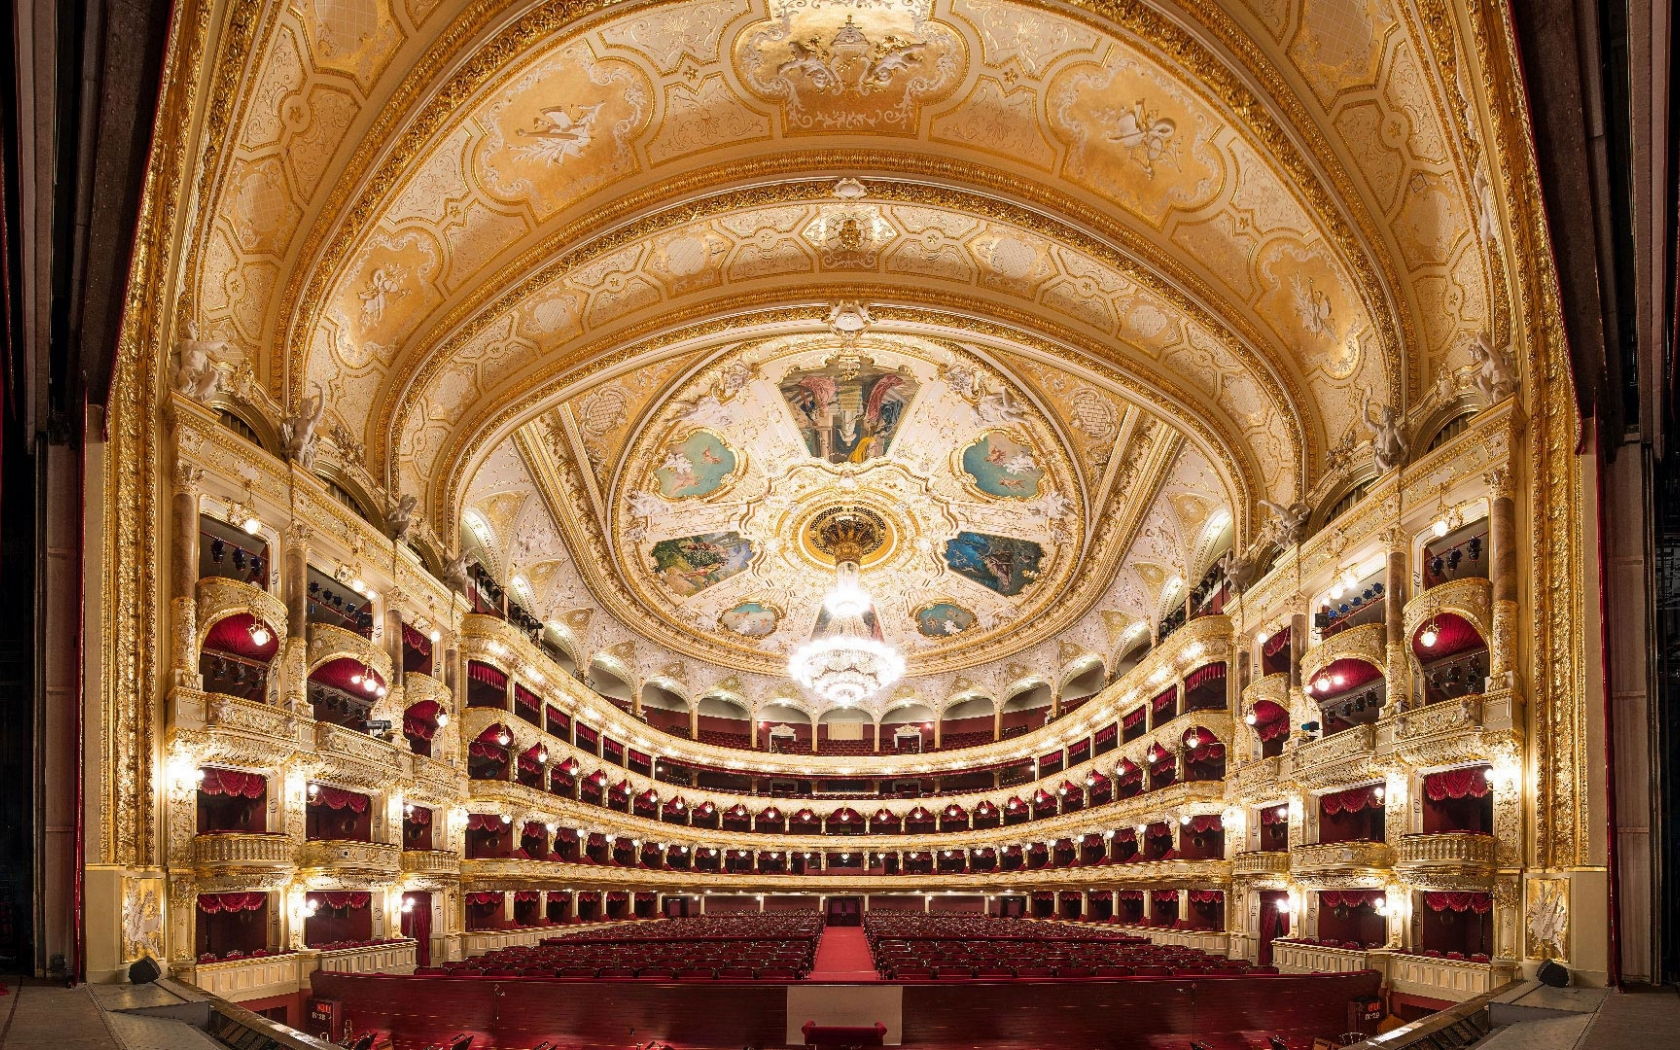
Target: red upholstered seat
947, 972
576, 971
1034, 971
617, 971
994, 970
1073, 971
696, 973
735, 972
1112, 971
647, 972
778, 973
843, 1035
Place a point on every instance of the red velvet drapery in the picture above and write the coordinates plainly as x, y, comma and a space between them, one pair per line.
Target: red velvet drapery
526, 896
233, 782
1480, 903
1349, 898
482, 900
1352, 800
484, 822
1133, 718
1470, 781
490, 676
1207, 897
1203, 675
1165, 700
217, 903
1270, 731
352, 899
1163, 896
338, 798
1274, 815
417, 815
1275, 644
1129, 895
1203, 824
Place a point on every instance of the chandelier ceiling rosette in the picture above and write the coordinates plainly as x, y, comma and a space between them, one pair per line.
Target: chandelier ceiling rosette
846, 661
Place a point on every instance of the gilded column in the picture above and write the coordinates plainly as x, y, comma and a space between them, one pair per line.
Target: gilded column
294, 585
1502, 574
1301, 709
183, 598
1395, 578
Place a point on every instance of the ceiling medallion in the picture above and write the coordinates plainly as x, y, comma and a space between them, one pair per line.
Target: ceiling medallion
846, 661
874, 536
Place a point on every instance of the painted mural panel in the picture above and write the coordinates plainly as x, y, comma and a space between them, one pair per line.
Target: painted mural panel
999, 465
848, 411
1002, 563
698, 465
752, 619
690, 564
943, 619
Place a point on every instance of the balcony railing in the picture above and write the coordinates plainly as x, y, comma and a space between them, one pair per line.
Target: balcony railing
1290, 957
1341, 860
241, 980
219, 597
222, 852
342, 856
431, 862
1260, 864
1448, 857
1323, 762
1451, 979
394, 957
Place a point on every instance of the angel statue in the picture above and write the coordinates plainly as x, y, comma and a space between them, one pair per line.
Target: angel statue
1494, 378
1388, 442
1238, 571
1288, 525
400, 517
197, 374
298, 434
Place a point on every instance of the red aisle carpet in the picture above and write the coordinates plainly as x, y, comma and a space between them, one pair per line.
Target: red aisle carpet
843, 955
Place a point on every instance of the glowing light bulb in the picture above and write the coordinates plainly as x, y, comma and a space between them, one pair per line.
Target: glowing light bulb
442, 719
253, 525
1262, 637
1337, 590
506, 819
1430, 634
1338, 679
1439, 528
542, 755
356, 677
1284, 907
503, 739
407, 905
1487, 774
436, 635
259, 634
1250, 719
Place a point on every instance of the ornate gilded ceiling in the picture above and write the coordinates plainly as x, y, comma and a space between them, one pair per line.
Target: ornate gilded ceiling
569, 273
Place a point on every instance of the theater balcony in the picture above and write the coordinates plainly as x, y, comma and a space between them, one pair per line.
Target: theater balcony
344, 857
436, 863
1260, 864
1454, 731
396, 956
241, 980
223, 853
1298, 957
1453, 860
1339, 862
1367, 642
220, 597
1342, 758
1454, 980
328, 642
1257, 781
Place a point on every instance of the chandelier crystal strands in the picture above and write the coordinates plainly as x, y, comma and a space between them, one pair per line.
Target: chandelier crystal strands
846, 661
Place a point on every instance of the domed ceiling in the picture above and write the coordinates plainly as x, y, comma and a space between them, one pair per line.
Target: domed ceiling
627, 295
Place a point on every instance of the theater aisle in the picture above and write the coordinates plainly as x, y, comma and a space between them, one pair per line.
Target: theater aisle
843, 955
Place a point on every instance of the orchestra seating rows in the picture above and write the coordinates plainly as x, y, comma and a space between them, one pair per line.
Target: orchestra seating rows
909, 947
774, 946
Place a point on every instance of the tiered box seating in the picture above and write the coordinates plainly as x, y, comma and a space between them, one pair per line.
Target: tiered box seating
845, 747
912, 947
740, 743
774, 946
958, 741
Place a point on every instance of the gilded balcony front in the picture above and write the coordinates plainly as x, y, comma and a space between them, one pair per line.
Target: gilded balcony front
223, 853
1454, 980
327, 642
431, 862
1470, 597
343, 857
1258, 781
1273, 687
1368, 643
220, 597
1344, 758
1260, 864
1453, 860
1340, 863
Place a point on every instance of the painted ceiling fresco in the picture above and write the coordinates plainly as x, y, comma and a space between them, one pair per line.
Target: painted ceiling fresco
568, 276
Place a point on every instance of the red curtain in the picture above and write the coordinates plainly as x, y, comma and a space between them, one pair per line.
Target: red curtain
1272, 730
232, 782
1350, 801
1134, 718
1202, 824
1164, 700
484, 822
1164, 896
418, 728
481, 900
1207, 897
1274, 815
416, 641
354, 899
1480, 903
217, 903
418, 815
526, 896
1276, 643
336, 798
1129, 895
490, 676
1350, 898
1203, 675
1457, 783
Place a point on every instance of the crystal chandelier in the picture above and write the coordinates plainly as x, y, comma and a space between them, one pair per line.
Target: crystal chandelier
846, 661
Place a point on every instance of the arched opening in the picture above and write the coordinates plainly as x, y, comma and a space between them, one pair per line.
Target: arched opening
610, 684
785, 729
967, 723
907, 729
1082, 685
1026, 709
725, 722
664, 709
845, 731
237, 654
